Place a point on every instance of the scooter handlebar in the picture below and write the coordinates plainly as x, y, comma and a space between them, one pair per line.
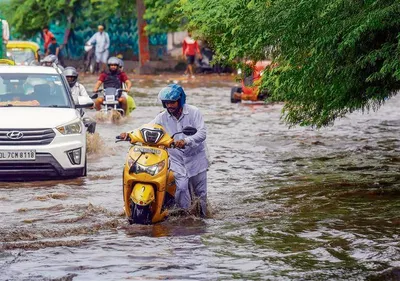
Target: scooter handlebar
118, 139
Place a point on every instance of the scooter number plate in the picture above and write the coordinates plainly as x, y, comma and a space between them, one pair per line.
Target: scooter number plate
147, 150
110, 98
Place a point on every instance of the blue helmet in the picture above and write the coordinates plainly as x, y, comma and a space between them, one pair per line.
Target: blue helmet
173, 92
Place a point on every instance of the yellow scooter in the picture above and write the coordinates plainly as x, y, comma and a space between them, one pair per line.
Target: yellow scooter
148, 183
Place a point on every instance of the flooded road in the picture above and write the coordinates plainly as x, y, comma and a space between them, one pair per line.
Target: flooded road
287, 204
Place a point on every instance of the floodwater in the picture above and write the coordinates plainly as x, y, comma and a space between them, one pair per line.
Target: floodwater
287, 204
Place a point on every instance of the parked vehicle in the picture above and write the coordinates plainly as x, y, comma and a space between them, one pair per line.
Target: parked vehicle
7, 62
42, 134
23, 52
249, 88
148, 183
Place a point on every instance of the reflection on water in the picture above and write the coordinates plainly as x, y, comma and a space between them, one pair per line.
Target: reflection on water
294, 204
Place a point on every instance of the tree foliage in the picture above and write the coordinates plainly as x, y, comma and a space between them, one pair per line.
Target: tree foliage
333, 56
27, 17
164, 16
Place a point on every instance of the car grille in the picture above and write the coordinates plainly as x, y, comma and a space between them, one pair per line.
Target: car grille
27, 168
30, 137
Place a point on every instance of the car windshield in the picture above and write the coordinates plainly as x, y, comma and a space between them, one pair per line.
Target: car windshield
23, 89
22, 56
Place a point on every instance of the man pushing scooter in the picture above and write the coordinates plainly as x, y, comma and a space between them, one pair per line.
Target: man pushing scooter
189, 163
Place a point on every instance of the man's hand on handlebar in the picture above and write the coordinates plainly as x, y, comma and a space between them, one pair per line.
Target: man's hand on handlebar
180, 144
123, 136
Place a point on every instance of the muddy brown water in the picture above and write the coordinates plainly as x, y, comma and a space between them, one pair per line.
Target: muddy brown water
287, 204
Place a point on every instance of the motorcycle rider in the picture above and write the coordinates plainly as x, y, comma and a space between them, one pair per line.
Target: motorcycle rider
121, 65
51, 60
113, 78
189, 167
77, 89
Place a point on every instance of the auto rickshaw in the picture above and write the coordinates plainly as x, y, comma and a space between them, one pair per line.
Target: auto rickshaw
6, 62
23, 52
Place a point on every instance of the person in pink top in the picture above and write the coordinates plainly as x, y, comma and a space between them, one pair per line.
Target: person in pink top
47, 35
189, 50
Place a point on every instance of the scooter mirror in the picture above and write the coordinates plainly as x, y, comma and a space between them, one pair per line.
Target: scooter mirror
189, 131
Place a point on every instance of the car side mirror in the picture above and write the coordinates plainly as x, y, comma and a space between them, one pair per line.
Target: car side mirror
84, 102
189, 131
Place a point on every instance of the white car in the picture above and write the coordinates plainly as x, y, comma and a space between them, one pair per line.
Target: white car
41, 129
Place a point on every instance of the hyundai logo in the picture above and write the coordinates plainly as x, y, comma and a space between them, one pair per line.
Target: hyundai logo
15, 135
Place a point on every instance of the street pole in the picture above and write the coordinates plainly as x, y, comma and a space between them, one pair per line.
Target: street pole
144, 54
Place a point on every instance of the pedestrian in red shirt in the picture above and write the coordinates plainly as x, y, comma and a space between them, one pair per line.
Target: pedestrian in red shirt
47, 35
189, 50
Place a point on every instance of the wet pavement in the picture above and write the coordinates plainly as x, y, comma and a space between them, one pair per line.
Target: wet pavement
287, 204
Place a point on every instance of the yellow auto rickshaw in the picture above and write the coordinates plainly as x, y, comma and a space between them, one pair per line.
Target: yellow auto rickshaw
6, 62
23, 52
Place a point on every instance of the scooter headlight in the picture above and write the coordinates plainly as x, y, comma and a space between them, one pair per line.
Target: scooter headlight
151, 170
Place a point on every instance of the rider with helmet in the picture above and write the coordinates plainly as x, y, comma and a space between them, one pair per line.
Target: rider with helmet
121, 65
190, 167
51, 60
113, 78
78, 90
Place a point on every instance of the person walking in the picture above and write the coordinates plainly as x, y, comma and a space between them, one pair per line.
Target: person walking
47, 35
189, 50
102, 41
5, 31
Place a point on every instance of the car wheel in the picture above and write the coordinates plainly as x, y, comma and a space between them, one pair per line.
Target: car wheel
235, 90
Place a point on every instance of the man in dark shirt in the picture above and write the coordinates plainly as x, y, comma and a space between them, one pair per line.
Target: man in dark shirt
54, 49
113, 78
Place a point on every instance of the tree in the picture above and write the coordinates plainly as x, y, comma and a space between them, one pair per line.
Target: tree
163, 16
27, 17
333, 56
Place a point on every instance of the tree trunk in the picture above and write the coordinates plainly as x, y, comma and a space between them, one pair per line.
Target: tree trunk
144, 54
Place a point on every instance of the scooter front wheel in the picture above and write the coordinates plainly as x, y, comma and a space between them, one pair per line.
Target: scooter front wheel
140, 214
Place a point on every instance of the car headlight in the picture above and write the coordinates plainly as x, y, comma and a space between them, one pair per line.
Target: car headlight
71, 128
151, 170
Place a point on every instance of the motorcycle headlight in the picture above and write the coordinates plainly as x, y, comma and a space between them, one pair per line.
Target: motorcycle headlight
71, 128
151, 170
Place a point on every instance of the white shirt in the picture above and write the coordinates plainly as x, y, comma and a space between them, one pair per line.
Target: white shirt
78, 90
102, 41
193, 159
6, 31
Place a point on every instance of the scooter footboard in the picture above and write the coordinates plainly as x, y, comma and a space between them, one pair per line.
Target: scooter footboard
142, 194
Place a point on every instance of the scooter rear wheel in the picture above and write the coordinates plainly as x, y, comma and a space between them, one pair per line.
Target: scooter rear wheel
140, 214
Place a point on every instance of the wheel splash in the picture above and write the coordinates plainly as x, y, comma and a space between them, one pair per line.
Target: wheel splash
112, 116
94, 143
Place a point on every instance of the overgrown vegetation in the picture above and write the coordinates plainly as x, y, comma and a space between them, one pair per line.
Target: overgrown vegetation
333, 56
27, 17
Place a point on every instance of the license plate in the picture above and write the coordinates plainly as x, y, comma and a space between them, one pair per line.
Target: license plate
146, 150
12, 155
110, 98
